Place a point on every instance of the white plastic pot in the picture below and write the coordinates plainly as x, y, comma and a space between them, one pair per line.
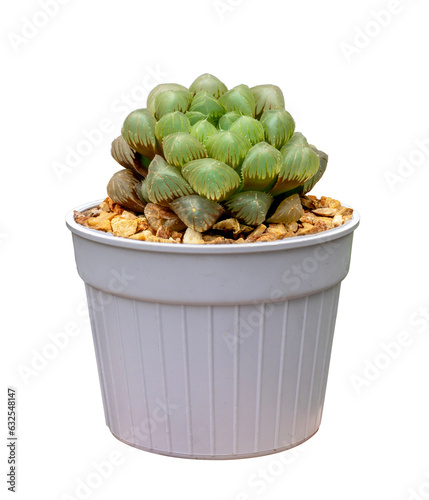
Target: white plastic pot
213, 351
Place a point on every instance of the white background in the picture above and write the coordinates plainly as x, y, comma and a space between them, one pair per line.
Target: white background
362, 99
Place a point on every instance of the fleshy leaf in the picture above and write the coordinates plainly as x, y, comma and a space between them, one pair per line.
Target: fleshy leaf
290, 210
205, 103
279, 127
299, 164
239, 99
267, 97
228, 119
250, 206
181, 148
260, 167
122, 189
164, 182
171, 123
138, 132
196, 116
141, 190
211, 178
209, 83
249, 127
170, 101
128, 158
323, 159
197, 212
202, 130
162, 87
297, 139
228, 147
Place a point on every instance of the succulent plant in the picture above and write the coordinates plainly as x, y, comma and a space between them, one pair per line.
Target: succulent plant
208, 152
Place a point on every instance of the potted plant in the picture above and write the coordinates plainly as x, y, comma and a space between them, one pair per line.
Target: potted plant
212, 277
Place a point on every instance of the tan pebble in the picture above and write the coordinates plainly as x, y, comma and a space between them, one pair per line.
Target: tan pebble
267, 237
309, 218
164, 232
337, 220
124, 227
192, 237
292, 227
104, 205
142, 235
324, 222
345, 212
327, 202
306, 229
228, 225
80, 218
325, 212
177, 236
259, 231
127, 214
240, 240
307, 202
278, 230
142, 224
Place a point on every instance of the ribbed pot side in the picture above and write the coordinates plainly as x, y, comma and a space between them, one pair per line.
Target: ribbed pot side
213, 351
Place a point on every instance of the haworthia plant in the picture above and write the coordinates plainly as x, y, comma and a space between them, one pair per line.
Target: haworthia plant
207, 152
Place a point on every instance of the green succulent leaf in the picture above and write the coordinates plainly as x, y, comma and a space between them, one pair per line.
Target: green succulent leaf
170, 101
267, 97
181, 148
290, 210
205, 103
299, 165
323, 160
128, 158
250, 206
196, 116
228, 147
197, 212
202, 130
260, 167
164, 182
141, 190
211, 178
157, 90
228, 119
138, 132
239, 99
209, 83
297, 139
171, 123
249, 127
122, 189
279, 127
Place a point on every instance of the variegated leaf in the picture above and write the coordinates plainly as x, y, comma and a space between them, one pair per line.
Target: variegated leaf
239, 99
260, 167
249, 127
290, 210
122, 189
164, 182
209, 83
211, 178
228, 147
138, 132
279, 127
181, 148
250, 206
197, 212
267, 97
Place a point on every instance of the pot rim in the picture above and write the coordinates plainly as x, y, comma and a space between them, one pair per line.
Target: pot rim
175, 248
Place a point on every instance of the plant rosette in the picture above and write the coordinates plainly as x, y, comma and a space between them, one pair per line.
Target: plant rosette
211, 349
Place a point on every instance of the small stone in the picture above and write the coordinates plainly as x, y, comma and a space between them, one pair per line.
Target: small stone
228, 225
325, 212
240, 240
80, 218
306, 229
337, 220
292, 227
326, 202
158, 216
124, 227
105, 206
142, 235
192, 237
164, 232
325, 223
256, 233
309, 218
142, 223
278, 230
308, 202
267, 237
115, 207
127, 214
